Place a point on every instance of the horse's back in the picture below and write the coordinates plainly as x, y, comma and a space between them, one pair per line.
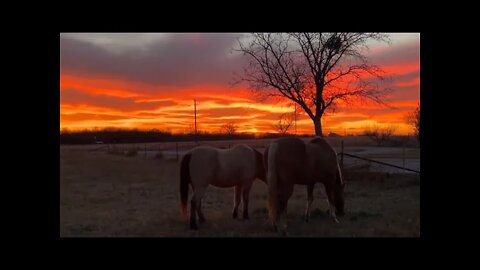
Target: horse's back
222, 167
289, 158
304, 163
237, 162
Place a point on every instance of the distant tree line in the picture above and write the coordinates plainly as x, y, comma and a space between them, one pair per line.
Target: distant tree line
116, 135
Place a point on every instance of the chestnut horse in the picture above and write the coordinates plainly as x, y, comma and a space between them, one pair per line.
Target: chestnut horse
290, 161
203, 166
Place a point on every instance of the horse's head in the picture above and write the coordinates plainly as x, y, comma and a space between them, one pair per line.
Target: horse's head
323, 151
339, 199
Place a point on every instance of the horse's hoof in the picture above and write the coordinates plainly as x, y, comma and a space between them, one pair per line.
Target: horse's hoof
306, 218
245, 217
234, 215
193, 227
336, 220
201, 220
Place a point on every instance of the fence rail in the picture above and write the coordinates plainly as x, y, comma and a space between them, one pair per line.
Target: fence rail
376, 161
178, 147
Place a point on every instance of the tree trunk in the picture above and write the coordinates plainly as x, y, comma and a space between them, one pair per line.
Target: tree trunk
317, 121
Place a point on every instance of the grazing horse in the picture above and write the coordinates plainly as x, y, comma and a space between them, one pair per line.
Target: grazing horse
290, 161
203, 166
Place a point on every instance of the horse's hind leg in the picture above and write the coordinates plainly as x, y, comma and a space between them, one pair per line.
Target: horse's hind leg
286, 193
236, 200
309, 201
245, 197
193, 214
329, 191
195, 206
282, 217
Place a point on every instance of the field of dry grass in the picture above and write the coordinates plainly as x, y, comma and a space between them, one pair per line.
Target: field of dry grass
113, 195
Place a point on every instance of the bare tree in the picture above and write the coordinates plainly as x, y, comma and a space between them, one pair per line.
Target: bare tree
413, 118
229, 128
379, 135
284, 123
190, 129
315, 70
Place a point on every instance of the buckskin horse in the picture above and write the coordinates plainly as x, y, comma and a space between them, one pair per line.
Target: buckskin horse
202, 166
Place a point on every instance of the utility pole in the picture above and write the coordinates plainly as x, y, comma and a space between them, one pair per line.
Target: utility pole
195, 112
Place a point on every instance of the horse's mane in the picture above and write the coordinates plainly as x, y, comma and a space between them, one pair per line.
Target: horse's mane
318, 140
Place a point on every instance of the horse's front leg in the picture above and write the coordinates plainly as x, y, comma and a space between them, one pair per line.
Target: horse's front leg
245, 196
309, 201
201, 217
236, 200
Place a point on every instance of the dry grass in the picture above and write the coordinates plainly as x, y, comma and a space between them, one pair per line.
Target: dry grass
110, 195
131, 153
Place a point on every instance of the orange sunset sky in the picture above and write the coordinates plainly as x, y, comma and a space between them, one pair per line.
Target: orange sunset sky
149, 80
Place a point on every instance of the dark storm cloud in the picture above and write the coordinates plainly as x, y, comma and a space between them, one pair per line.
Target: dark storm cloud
175, 60
182, 59
401, 53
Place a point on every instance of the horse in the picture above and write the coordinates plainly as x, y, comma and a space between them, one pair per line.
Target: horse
290, 161
202, 166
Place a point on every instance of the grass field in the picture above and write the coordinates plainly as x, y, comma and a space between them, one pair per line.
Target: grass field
113, 195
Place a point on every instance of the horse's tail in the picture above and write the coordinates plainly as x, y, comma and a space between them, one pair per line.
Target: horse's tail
184, 181
260, 168
272, 182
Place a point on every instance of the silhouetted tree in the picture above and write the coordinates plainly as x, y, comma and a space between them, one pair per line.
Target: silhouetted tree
229, 128
413, 118
315, 70
378, 134
284, 123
